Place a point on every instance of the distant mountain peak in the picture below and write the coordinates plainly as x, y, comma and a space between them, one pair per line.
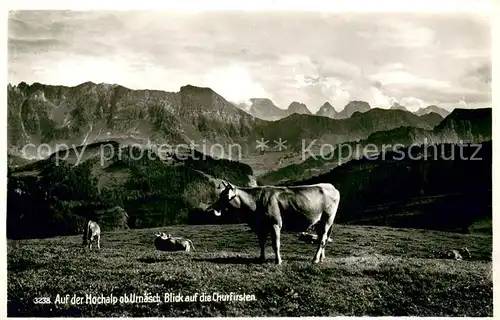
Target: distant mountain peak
352, 107
263, 100
87, 83
397, 106
191, 88
327, 110
108, 85
432, 108
264, 108
358, 105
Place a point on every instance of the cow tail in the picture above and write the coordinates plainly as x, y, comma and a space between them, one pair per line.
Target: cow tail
88, 232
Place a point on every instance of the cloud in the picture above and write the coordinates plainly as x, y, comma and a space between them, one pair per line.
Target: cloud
477, 77
380, 99
400, 77
398, 74
466, 53
235, 82
412, 103
399, 32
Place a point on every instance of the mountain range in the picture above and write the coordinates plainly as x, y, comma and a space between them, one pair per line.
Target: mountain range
92, 112
264, 108
461, 126
323, 130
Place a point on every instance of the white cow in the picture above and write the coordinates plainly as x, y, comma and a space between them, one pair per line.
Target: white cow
456, 254
165, 242
93, 231
270, 209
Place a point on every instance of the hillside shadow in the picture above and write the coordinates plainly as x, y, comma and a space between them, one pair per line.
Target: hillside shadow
151, 260
247, 260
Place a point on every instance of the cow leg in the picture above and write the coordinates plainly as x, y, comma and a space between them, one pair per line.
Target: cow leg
275, 237
320, 254
320, 230
323, 230
328, 234
99, 241
90, 242
262, 235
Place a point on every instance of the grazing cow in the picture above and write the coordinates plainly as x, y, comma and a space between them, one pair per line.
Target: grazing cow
93, 231
268, 209
164, 242
456, 254
309, 238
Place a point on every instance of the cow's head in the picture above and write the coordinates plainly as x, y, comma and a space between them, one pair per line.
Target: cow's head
161, 235
226, 195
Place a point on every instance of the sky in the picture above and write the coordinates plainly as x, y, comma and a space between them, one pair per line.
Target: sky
415, 59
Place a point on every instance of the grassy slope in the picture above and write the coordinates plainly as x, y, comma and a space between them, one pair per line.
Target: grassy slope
153, 192
414, 193
368, 271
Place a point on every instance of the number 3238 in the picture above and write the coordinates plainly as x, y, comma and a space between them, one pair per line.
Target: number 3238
42, 300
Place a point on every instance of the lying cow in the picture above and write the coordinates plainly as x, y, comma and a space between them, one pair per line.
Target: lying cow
310, 238
268, 209
165, 242
92, 231
456, 254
